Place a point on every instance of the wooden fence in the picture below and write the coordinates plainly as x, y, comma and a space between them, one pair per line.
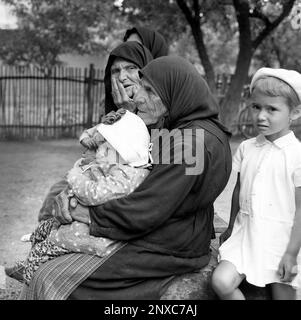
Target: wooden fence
64, 101
60, 103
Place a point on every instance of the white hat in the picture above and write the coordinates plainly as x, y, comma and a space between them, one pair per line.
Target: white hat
291, 77
129, 137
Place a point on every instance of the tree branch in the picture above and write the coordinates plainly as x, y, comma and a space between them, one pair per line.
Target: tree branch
257, 14
287, 7
242, 9
187, 13
196, 9
194, 22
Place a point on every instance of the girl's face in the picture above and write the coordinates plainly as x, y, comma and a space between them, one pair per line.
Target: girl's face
271, 115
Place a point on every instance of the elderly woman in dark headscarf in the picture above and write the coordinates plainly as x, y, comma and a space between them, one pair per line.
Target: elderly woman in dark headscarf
151, 39
166, 223
127, 59
133, 56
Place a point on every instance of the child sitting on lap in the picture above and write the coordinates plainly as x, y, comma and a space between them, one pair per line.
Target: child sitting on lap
121, 162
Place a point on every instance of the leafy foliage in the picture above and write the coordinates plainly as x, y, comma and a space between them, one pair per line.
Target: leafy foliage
49, 28
161, 15
215, 19
281, 49
217, 35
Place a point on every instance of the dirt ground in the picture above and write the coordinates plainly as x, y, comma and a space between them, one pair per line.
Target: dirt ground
27, 171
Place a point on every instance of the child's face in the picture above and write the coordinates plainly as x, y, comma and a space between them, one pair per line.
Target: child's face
271, 115
106, 152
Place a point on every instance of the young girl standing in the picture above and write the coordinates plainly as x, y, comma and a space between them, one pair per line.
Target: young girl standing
263, 239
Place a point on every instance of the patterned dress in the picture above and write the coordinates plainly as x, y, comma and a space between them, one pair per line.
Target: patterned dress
92, 184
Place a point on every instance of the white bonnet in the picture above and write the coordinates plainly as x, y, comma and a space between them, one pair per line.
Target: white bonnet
129, 137
291, 77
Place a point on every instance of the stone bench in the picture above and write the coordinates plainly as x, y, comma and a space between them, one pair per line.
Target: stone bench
196, 285
190, 286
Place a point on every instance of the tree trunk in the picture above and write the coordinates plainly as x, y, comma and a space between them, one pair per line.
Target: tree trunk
202, 51
247, 46
230, 105
193, 18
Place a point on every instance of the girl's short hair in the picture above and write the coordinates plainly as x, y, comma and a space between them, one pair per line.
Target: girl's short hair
275, 87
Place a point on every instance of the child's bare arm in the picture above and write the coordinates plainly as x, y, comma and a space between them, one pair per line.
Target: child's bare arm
234, 210
295, 239
288, 264
87, 138
84, 135
89, 143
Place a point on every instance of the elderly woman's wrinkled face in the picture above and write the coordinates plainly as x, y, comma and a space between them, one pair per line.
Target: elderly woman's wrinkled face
126, 73
150, 107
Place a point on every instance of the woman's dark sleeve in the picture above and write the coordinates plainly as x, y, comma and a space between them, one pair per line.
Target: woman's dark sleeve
149, 206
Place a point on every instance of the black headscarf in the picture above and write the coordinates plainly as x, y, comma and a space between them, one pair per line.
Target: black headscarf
151, 39
131, 51
183, 91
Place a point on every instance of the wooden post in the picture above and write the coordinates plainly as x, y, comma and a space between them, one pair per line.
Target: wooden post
2, 97
90, 95
54, 101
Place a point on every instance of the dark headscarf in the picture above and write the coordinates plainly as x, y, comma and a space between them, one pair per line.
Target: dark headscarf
182, 90
151, 39
131, 51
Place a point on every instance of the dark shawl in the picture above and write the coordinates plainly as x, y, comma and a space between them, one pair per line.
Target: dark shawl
183, 91
151, 39
131, 51
168, 193
167, 221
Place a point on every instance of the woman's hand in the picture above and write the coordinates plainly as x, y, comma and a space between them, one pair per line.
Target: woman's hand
87, 157
89, 143
121, 98
98, 138
113, 116
225, 235
61, 207
288, 267
81, 214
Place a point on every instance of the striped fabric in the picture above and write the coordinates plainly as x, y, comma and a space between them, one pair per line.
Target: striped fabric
56, 279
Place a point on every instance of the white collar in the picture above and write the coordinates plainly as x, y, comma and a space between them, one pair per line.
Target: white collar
281, 142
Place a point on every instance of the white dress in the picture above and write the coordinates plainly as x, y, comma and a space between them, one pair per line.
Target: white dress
269, 173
